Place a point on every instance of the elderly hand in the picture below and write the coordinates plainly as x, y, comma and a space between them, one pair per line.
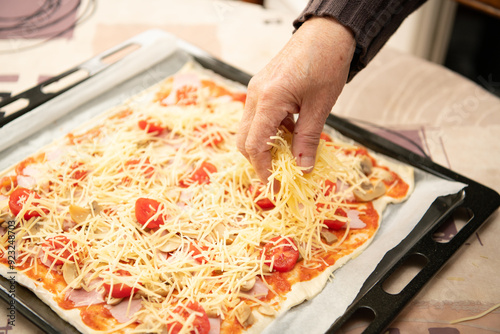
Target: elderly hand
305, 78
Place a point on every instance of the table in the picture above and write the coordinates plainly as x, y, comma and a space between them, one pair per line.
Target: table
455, 121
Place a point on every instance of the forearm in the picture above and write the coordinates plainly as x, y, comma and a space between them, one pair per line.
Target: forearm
372, 22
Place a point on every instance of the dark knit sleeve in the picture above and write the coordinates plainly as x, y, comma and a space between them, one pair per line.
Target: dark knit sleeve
371, 21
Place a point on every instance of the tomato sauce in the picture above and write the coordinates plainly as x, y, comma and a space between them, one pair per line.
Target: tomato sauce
96, 316
396, 188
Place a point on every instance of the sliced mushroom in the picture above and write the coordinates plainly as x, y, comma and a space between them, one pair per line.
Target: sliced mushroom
233, 302
266, 310
220, 231
35, 228
369, 192
328, 236
70, 274
113, 301
96, 208
266, 269
160, 289
383, 174
212, 312
78, 214
248, 284
366, 165
244, 314
5, 219
171, 244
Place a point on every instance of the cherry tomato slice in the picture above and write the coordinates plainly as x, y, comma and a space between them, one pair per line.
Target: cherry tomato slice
263, 203
78, 173
119, 290
200, 176
330, 187
151, 127
201, 324
57, 248
17, 199
284, 251
335, 224
195, 250
145, 208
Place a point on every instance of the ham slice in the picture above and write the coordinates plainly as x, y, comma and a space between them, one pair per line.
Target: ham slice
80, 297
354, 221
259, 290
214, 325
26, 181
125, 310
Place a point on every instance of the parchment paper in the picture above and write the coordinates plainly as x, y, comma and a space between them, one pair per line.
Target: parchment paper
314, 316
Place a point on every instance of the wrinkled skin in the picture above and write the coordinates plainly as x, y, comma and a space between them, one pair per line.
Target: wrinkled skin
304, 78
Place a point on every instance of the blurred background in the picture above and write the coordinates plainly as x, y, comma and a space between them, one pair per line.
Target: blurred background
462, 35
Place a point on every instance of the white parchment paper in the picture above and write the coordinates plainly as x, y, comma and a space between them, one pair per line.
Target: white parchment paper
318, 314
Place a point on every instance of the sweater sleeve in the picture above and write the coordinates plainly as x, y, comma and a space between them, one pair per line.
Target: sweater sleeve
371, 21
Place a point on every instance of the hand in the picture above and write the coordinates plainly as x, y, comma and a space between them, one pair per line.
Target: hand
305, 78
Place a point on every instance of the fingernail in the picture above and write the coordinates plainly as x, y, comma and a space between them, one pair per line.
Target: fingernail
306, 162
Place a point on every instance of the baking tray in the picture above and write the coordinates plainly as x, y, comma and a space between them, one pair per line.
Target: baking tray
382, 307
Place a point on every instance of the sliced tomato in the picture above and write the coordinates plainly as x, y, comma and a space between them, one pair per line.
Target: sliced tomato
200, 176
201, 324
119, 290
263, 203
239, 97
150, 126
8, 182
330, 187
17, 199
145, 208
78, 173
58, 248
336, 224
284, 251
196, 251
325, 137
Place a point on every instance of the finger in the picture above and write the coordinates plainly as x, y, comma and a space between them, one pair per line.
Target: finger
265, 124
307, 133
246, 122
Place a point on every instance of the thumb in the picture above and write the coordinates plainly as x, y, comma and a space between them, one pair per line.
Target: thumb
306, 136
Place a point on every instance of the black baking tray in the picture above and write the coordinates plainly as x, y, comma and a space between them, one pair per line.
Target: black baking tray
383, 307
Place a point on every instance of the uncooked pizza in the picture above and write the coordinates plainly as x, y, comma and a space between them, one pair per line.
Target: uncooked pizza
148, 219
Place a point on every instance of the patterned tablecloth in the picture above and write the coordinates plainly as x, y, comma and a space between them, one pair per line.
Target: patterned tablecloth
453, 121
